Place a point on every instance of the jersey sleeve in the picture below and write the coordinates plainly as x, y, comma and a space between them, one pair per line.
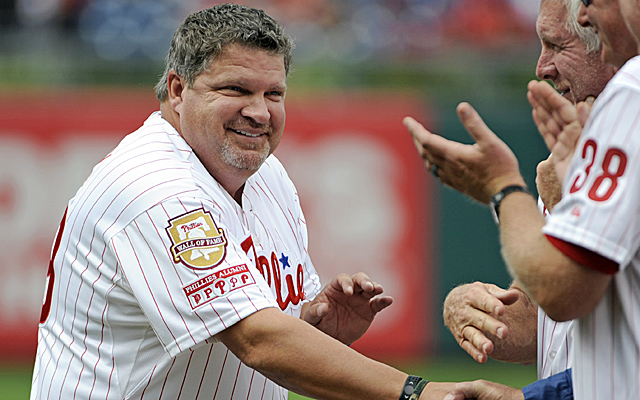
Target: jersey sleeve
555, 387
585, 257
599, 210
188, 272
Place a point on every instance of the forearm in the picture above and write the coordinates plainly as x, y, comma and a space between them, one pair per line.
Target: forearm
528, 254
551, 278
299, 357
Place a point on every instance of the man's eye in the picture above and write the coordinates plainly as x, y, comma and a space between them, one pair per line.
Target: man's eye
556, 48
232, 89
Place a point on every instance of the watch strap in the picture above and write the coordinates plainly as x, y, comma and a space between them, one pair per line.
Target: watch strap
497, 198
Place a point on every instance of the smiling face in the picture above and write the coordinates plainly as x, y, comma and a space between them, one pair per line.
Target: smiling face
233, 117
618, 45
564, 59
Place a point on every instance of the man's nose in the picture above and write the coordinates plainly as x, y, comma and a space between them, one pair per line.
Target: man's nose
546, 68
583, 18
256, 109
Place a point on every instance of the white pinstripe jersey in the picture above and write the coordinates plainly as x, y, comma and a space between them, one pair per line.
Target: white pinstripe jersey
554, 338
600, 211
554, 343
153, 260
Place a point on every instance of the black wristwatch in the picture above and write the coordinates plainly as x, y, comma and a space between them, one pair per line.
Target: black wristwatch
497, 198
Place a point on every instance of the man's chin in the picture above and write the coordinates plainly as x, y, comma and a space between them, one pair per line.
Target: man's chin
245, 160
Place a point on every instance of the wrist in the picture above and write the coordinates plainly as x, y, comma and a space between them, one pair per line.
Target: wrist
496, 199
413, 387
500, 183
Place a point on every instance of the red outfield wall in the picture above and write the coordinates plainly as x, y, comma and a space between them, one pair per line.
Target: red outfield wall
364, 191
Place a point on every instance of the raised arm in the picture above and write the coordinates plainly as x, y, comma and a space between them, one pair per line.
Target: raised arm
483, 169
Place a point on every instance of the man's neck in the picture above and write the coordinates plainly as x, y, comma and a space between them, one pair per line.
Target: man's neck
231, 179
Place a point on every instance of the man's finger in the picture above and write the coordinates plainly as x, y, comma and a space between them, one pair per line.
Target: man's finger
568, 140
474, 352
584, 109
434, 146
380, 303
363, 281
548, 122
343, 283
315, 313
483, 297
562, 109
476, 344
477, 338
473, 123
508, 297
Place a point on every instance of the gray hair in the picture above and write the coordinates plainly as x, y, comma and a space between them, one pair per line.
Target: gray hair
587, 35
204, 35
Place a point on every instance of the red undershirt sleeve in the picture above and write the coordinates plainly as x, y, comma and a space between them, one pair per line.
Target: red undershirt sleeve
585, 257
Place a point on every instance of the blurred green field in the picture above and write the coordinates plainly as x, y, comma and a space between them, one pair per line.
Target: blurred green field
15, 380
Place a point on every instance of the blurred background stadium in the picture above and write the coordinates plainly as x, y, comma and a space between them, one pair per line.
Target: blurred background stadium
77, 75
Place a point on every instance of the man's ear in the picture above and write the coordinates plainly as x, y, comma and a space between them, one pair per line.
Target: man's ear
175, 87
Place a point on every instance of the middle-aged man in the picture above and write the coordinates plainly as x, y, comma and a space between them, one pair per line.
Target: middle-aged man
181, 267
583, 262
570, 59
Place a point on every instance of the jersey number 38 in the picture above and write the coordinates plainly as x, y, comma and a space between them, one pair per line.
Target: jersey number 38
604, 185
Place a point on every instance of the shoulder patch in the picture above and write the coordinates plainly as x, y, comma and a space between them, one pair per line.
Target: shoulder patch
218, 284
196, 240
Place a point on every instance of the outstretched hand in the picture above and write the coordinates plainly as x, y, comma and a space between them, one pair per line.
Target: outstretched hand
559, 122
479, 170
471, 312
346, 307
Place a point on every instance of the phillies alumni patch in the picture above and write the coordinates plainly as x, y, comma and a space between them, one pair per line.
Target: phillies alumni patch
218, 284
196, 240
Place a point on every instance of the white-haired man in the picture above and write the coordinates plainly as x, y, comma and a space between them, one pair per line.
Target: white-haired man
581, 262
476, 313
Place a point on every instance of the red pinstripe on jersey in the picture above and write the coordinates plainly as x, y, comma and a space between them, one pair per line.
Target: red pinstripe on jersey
119, 323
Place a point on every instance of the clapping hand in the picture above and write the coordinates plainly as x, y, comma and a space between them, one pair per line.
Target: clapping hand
559, 122
346, 307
